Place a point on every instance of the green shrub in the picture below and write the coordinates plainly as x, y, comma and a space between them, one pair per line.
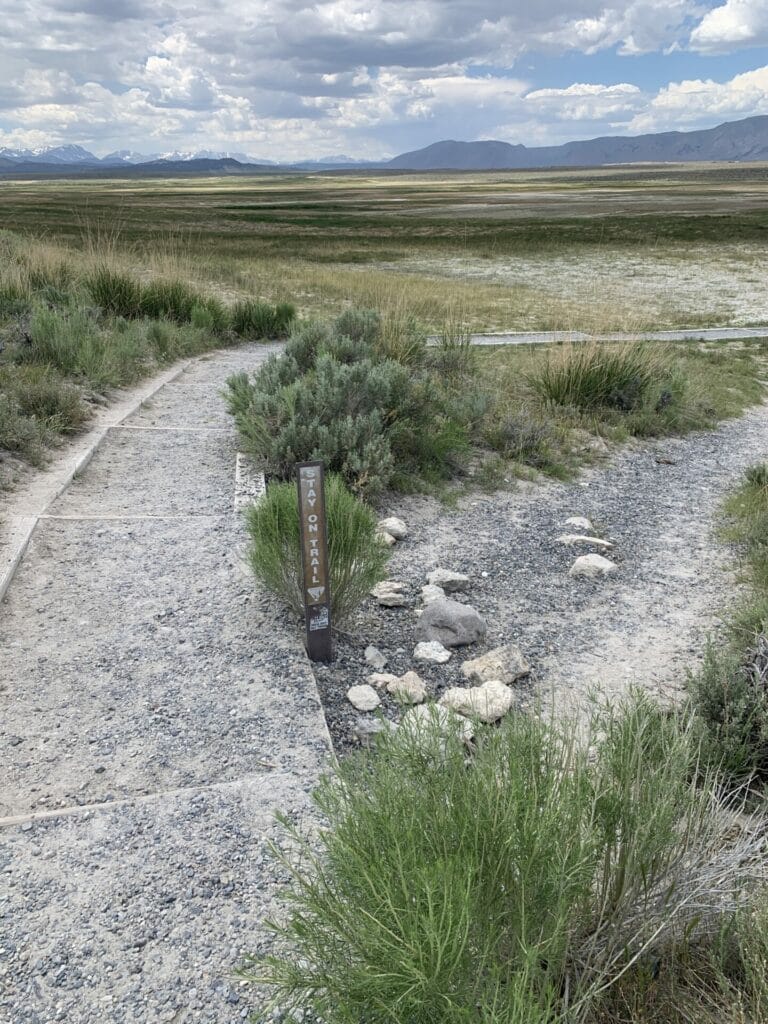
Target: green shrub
334, 398
730, 696
510, 888
624, 377
259, 320
73, 343
21, 434
356, 557
42, 395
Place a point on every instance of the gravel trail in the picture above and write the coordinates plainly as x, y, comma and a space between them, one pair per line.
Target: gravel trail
647, 624
155, 712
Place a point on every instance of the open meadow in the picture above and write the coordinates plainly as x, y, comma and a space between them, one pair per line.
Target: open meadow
617, 248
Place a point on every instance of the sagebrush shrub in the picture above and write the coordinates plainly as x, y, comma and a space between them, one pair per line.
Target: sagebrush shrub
356, 556
333, 397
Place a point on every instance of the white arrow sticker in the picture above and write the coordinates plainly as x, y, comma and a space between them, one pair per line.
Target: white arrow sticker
316, 592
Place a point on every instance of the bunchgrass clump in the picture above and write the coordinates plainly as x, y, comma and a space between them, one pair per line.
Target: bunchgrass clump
356, 555
512, 885
115, 292
256, 321
601, 375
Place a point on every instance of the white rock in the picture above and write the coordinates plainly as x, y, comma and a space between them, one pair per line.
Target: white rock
375, 658
488, 702
504, 663
389, 593
450, 581
429, 721
580, 523
433, 651
394, 526
363, 697
578, 538
386, 538
381, 679
592, 566
432, 593
409, 688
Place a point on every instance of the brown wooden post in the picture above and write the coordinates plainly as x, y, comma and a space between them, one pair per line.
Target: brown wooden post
314, 560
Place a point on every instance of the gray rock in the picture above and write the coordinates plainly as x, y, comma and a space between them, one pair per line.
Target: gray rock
386, 538
592, 566
365, 729
394, 526
432, 651
451, 582
504, 663
375, 658
389, 594
431, 593
450, 623
488, 702
363, 697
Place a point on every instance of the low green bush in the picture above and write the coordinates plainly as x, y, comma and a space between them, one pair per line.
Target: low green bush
41, 394
256, 320
510, 887
333, 397
21, 434
357, 557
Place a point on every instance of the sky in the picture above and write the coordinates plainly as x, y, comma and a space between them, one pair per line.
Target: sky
291, 80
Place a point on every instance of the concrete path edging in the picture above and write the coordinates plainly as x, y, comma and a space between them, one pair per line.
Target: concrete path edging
31, 503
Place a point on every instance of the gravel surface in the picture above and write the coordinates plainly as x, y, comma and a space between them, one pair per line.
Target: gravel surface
156, 710
646, 624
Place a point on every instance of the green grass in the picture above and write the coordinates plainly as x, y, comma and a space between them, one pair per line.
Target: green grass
730, 693
520, 885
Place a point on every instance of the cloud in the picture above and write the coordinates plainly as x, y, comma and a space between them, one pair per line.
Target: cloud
697, 103
289, 78
737, 23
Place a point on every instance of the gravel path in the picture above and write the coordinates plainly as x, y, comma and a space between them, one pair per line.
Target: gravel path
553, 337
645, 625
155, 711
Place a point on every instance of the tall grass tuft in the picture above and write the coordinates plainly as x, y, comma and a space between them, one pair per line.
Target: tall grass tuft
512, 888
259, 320
600, 375
356, 556
115, 292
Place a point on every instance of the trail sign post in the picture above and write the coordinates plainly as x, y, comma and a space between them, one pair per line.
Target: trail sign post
314, 560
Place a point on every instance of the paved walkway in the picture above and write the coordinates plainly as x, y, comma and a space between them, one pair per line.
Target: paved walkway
549, 337
155, 710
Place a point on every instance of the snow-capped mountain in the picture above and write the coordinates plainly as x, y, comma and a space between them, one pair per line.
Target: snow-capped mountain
51, 155
209, 154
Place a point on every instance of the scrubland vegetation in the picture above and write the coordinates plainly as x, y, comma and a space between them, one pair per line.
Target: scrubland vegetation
543, 875
73, 327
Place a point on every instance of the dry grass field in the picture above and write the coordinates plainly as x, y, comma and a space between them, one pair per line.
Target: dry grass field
615, 248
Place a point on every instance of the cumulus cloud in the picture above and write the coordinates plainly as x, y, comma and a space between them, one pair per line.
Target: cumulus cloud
292, 78
735, 23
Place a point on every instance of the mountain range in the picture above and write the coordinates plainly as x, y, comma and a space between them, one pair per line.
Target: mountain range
733, 141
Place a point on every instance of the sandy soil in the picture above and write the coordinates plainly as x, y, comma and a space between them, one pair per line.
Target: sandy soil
674, 287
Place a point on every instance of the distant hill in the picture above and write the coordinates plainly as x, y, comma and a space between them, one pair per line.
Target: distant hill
734, 140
